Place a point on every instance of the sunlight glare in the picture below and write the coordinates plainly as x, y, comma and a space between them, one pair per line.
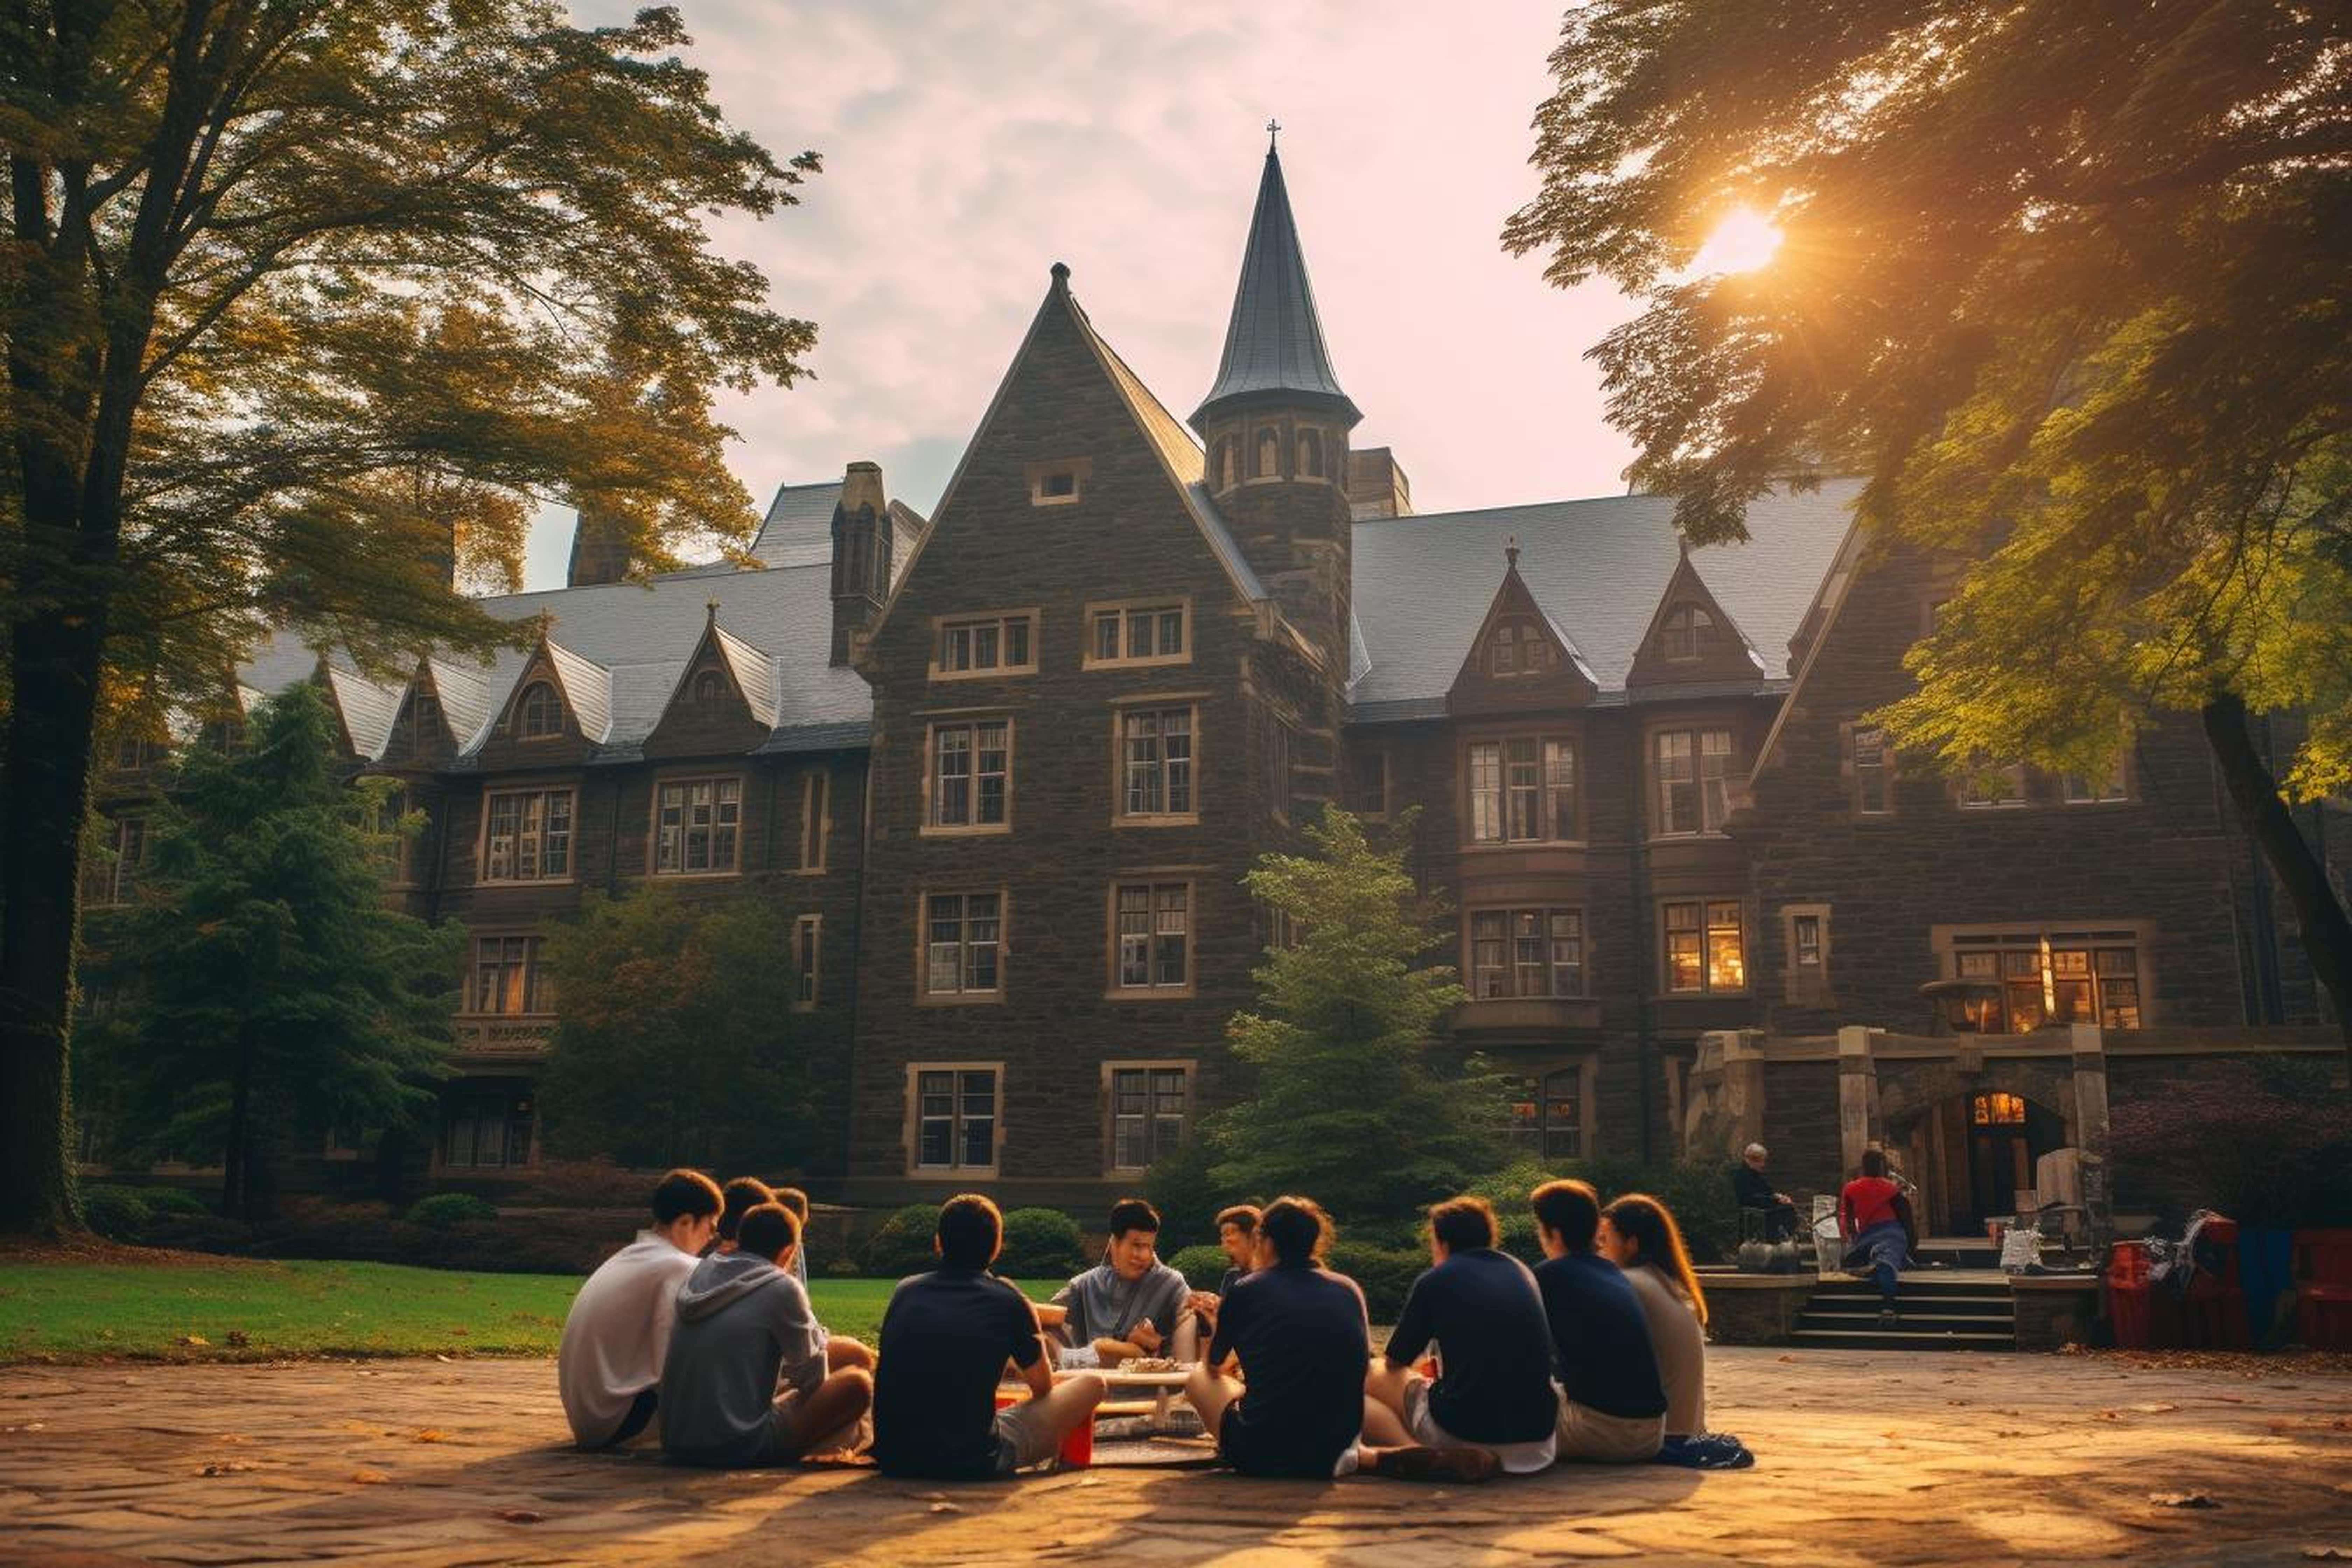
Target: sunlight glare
1744, 240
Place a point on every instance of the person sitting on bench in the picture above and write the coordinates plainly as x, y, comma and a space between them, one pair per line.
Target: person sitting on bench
745, 1380
946, 1336
1127, 1306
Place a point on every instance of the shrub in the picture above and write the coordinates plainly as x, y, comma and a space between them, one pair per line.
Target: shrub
118, 1213
598, 1183
1039, 1243
172, 1201
2261, 1142
442, 1210
1385, 1273
903, 1245
1202, 1267
1180, 1187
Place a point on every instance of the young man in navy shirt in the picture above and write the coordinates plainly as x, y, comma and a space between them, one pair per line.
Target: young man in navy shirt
1612, 1404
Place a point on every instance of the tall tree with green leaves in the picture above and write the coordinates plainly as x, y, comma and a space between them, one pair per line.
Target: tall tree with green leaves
268, 994
1359, 1097
2066, 281
678, 1042
302, 301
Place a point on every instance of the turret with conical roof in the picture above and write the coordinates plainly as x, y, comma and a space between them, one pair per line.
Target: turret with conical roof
1275, 424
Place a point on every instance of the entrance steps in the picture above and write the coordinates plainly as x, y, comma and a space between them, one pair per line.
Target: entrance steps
1937, 1314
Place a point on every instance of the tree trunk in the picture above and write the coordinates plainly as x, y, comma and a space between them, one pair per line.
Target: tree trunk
2263, 812
236, 1162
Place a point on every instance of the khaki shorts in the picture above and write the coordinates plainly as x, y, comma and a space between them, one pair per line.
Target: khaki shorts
789, 1437
1585, 1434
1023, 1436
1517, 1458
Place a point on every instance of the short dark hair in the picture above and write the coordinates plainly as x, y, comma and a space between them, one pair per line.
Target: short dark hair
683, 1193
1243, 1217
1133, 1213
739, 1197
971, 1230
1874, 1162
767, 1229
795, 1200
1295, 1227
1570, 1207
1463, 1223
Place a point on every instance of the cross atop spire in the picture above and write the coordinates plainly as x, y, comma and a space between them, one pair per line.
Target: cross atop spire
1274, 344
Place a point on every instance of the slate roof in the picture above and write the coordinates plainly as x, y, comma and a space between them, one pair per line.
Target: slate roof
588, 688
1423, 582
1273, 343
798, 528
368, 707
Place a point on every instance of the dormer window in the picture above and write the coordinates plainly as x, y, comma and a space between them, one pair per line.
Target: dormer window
1269, 453
1689, 631
1517, 648
707, 689
1310, 453
1059, 485
425, 710
539, 712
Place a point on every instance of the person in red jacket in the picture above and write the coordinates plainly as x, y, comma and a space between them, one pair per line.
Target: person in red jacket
1875, 1217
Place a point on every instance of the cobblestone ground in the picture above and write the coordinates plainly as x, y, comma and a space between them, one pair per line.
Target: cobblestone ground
1865, 1458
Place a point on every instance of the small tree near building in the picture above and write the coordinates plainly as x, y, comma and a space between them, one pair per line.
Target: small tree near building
1358, 1100
676, 1042
267, 993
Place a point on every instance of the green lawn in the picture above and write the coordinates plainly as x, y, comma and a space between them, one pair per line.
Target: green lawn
244, 1311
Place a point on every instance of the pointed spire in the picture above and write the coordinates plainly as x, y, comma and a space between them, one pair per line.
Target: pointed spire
1274, 344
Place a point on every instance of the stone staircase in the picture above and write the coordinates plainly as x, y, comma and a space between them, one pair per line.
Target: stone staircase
1952, 1313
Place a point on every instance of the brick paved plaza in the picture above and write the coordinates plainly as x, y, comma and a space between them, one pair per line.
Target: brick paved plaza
1865, 1458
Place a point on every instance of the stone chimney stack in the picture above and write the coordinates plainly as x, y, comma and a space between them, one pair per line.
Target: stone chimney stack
600, 551
1377, 485
862, 546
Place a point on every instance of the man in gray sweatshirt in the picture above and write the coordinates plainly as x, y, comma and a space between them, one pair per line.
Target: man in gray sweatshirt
745, 1382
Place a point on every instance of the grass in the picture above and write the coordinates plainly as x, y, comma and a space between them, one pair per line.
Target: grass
236, 1309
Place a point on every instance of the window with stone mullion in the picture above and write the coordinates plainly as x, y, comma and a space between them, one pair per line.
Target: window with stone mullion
1158, 758
961, 943
1154, 935
1147, 1115
1522, 790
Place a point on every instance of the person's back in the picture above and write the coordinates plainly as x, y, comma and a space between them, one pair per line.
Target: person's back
1482, 1309
744, 1332
1302, 1335
1866, 1203
1601, 1336
1679, 1345
946, 1337
608, 1360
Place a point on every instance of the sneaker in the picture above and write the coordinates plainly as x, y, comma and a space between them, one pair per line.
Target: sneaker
1417, 1464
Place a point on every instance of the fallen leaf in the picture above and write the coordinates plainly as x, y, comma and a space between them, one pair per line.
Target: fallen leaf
432, 1435
370, 1477
2181, 1499
192, 1339
945, 1507
2154, 1409
521, 1516
226, 1467
2327, 1553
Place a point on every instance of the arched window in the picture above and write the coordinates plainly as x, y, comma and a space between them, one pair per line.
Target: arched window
1689, 631
1269, 453
1310, 453
707, 689
538, 713
1228, 465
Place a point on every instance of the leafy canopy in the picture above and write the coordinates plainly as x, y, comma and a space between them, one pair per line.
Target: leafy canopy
1358, 1102
261, 953
2065, 279
677, 1042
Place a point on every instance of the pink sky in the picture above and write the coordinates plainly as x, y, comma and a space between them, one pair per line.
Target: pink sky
968, 147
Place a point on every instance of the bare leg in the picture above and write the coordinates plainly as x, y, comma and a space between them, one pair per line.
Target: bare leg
1383, 1427
1385, 1384
839, 1402
841, 1352
1072, 1400
1184, 1344
1209, 1393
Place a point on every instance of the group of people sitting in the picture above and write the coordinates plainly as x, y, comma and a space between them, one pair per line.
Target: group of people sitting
1595, 1354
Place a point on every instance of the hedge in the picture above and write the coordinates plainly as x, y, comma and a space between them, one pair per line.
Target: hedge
1039, 1243
1203, 1267
442, 1210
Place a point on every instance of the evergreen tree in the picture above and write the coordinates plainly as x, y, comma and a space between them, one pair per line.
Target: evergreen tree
676, 1042
2066, 281
1358, 1100
267, 992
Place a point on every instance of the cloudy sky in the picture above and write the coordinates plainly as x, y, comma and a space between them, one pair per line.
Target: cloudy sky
970, 146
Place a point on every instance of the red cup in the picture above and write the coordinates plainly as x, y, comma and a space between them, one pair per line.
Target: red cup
1079, 1447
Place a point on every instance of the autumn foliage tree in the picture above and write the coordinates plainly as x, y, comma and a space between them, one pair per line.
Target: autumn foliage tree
302, 301
2066, 281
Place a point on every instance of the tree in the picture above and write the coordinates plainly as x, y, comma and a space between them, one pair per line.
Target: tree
2066, 282
303, 302
269, 990
1357, 1101
676, 1043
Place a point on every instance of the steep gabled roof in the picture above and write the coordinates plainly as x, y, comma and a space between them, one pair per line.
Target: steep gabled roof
587, 689
366, 707
464, 697
1732, 656
1599, 568
1573, 684
1274, 343
798, 528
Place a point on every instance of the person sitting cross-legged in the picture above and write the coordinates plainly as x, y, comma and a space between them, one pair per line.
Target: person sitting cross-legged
745, 1380
608, 1361
1129, 1305
946, 1336
1237, 1234
840, 1350
1493, 1388
1613, 1405
741, 1196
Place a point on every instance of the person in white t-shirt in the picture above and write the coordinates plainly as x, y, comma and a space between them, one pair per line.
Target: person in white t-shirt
608, 1364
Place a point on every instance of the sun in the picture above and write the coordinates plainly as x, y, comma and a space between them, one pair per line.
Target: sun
1745, 241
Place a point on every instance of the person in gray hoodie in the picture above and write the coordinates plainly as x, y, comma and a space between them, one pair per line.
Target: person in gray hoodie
745, 1382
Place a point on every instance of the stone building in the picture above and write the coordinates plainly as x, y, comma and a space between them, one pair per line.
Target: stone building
1006, 765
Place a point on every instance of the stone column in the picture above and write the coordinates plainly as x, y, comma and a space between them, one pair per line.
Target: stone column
2091, 1125
1857, 1095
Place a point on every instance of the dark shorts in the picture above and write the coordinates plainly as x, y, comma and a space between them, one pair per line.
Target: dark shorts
1259, 1450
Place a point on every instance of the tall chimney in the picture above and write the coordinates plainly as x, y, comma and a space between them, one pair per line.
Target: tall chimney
861, 556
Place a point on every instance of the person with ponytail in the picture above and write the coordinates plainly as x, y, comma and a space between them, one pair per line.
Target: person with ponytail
1639, 1235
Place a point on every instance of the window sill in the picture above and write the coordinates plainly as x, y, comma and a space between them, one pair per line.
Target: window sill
1739, 995
1152, 663
1490, 847
807, 871
1010, 671
1695, 836
692, 876
1150, 993
1149, 819
959, 998
524, 881
957, 1173
953, 830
